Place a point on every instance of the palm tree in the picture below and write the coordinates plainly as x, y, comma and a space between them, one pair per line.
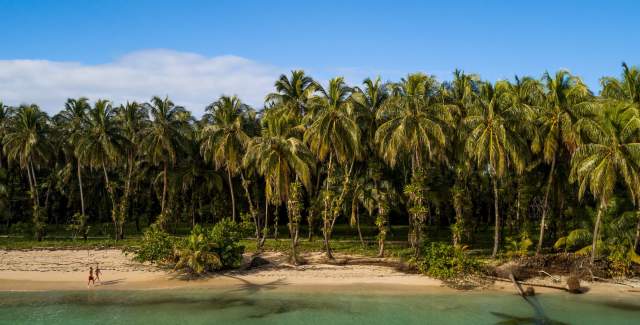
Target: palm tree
101, 146
72, 120
565, 106
626, 92
367, 101
132, 119
25, 142
163, 139
223, 142
333, 134
493, 141
413, 122
285, 162
611, 154
414, 119
293, 94
5, 113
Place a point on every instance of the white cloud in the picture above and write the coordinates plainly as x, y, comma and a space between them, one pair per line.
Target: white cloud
190, 80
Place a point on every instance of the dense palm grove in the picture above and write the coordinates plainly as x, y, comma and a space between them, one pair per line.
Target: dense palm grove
542, 161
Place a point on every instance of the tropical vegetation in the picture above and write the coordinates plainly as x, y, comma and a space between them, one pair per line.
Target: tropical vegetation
542, 164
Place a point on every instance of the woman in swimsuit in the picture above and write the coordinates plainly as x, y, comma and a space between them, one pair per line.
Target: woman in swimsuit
91, 279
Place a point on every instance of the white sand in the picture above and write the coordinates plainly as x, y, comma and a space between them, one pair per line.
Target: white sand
27, 270
68, 270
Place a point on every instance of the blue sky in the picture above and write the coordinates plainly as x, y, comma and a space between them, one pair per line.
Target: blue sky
496, 39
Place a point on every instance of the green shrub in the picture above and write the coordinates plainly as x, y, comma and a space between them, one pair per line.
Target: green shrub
226, 236
444, 261
518, 246
216, 249
156, 246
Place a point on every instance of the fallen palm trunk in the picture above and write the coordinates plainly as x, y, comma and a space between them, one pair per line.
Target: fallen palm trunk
526, 283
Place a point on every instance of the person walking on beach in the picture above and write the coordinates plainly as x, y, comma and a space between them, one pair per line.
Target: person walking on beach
91, 279
98, 272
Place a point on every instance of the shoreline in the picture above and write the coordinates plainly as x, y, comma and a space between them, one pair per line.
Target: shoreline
67, 270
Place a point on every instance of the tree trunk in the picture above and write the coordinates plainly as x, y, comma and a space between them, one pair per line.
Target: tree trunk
596, 230
81, 191
545, 206
124, 201
496, 235
265, 230
35, 183
635, 242
233, 197
276, 219
310, 219
358, 227
113, 202
325, 217
164, 188
252, 209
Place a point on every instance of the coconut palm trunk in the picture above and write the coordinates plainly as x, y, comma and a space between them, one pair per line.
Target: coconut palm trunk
35, 183
113, 202
496, 234
358, 227
635, 242
545, 206
164, 187
325, 214
596, 230
252, 209
81, 190
233, 197
265, 229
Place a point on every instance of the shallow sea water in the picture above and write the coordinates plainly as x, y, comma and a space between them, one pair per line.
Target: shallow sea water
247, 306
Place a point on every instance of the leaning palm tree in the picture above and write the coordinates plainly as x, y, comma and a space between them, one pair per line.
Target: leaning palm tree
163, 139
285, 162
293, 94
565, 106
72, 121
626, 92
26, 143
223, 142
333, 134
101, 146
494, 143
612, 154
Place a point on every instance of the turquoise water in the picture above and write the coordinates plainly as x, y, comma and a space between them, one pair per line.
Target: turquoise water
210, 306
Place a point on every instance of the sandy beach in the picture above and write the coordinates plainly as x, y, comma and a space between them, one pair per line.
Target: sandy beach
39, 270
68, 270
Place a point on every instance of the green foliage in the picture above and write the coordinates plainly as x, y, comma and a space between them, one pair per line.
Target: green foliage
576, 239
444, 261
225, 236
518, 246
78, 226
195, 253
156, 246
216, 249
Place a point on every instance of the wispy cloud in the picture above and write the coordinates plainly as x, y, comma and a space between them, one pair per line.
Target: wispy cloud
191, 80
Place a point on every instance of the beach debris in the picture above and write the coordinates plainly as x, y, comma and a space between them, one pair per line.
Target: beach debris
257, 261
